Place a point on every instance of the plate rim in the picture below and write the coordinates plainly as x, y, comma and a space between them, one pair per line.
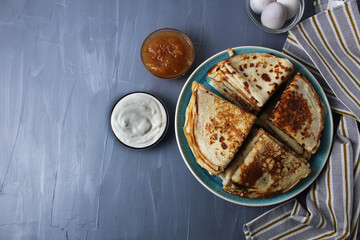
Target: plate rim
182, 92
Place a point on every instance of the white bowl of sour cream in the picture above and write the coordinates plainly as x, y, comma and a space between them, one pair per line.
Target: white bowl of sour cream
139, 120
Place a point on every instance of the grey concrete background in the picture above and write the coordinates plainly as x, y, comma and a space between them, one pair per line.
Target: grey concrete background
63, 174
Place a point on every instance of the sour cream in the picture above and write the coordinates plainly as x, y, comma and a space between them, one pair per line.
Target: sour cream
139, 120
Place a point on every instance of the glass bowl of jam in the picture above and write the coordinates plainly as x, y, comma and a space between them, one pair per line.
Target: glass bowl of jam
167, 53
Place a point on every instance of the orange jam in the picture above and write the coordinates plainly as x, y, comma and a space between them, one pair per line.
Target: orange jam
167, 54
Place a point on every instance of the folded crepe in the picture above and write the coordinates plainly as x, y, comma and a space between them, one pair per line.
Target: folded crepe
263, 168
214, 128
298, 118
264, 122
250, 79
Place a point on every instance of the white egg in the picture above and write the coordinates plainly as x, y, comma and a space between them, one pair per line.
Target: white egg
292, 7
258, 5
273, 16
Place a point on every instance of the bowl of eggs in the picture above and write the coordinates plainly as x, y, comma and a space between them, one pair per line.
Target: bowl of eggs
275, 16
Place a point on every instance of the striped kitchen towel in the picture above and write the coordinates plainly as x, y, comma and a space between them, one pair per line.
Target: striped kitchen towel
328, 44
321, 5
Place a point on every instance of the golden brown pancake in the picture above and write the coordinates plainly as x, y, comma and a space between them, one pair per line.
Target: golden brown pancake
299, 114
264, 167
214, 128
250, 78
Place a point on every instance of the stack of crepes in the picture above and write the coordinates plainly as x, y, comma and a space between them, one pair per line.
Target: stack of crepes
256, 158
328, 44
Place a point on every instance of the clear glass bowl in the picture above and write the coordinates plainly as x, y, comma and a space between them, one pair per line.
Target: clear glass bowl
180, 34
287, 25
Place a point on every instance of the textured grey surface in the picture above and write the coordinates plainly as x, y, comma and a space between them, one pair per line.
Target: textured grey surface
63, 175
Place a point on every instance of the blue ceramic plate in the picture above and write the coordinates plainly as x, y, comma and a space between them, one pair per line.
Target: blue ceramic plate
214, 183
